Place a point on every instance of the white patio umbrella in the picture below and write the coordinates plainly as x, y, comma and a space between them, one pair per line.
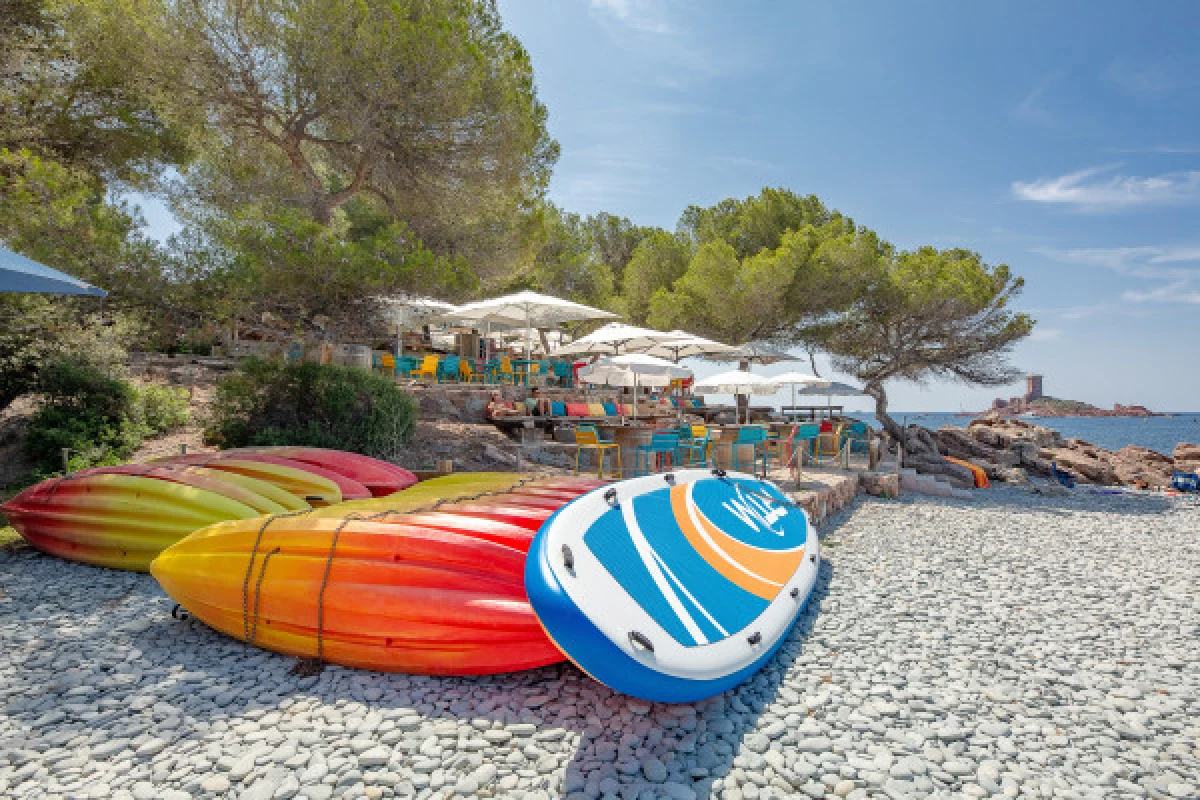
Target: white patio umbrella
795, 379
685, 345
528, 309
406, 311
613, 339
831, 390
755, 353
735, 382
633, 369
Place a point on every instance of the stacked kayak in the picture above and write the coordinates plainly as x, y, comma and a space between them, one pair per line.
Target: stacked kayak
427, 581
356, 476
124, 516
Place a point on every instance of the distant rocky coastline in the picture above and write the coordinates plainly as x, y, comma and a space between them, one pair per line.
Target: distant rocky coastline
1055, 407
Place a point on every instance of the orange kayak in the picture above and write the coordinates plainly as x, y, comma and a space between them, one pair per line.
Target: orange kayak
981, 478
404, 589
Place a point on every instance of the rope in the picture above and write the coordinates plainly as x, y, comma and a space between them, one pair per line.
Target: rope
352, 517
250, 570
262, 573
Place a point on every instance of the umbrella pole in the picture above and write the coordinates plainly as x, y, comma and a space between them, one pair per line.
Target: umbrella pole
528, 339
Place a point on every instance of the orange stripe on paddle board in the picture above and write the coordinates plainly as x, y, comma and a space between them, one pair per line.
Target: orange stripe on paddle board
746, 567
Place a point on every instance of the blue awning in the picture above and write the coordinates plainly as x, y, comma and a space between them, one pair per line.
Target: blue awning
20, 274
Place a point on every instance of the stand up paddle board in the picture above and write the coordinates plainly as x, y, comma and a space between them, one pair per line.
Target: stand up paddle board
673, 587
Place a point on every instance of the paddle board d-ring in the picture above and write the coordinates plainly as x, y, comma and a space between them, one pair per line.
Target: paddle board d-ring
641, 640
657, 594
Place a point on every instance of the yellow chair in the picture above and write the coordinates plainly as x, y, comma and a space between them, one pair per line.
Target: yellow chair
507, 374
586, 438
428, 367
389, 365
467, 373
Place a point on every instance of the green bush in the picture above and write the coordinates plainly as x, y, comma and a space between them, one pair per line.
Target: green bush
101, 418
271, 403
164, 407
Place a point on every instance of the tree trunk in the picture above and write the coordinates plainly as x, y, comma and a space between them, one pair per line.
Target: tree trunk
877, 391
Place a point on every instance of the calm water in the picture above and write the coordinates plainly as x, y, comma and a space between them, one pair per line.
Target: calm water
1111, 433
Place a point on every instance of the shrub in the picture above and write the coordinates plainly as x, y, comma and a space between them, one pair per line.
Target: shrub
36, 331
96, 415
163, 407
271, 403
100, 417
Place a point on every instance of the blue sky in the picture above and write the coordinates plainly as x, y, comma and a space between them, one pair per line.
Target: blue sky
1059, 138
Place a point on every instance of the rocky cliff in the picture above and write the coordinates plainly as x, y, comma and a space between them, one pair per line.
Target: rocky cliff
1011, 449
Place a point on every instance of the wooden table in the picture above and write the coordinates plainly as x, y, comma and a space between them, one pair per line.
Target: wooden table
723, 438
629, 437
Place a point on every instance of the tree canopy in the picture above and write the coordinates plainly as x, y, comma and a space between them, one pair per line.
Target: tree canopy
424, 107
929, 313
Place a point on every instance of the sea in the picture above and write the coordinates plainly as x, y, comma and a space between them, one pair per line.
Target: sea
1111, 433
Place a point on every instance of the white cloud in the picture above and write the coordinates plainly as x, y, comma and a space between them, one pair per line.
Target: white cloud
1157, 149
1152, 79
1041, 334
644, 16
1169, 274
1178, 292
1089, 189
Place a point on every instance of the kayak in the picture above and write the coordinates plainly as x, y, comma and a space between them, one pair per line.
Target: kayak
431, 582
122, 518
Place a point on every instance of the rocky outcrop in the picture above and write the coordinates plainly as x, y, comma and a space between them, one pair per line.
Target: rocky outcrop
1187, 457
1008, 449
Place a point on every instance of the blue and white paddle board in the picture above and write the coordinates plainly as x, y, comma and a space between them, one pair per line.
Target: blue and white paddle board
673, 587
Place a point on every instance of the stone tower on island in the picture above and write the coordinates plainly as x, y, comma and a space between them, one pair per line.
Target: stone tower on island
1033, 388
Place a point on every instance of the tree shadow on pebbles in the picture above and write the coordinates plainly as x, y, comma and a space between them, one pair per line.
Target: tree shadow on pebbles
103, 690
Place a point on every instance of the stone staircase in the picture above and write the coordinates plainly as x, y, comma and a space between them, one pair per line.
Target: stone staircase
933, 485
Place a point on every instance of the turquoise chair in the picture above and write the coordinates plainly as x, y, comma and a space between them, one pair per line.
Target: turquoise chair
447, 369
405, 365
754, 435
809, 435
662, 444
565, 372
855, 436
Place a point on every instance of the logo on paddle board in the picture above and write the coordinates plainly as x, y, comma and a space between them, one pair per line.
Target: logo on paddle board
702, 559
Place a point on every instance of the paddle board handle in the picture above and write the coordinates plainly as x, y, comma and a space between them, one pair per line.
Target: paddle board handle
611, 497
754, 638
568, 558
641, 640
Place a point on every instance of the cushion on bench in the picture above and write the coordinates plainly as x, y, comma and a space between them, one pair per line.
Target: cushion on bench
577, 409
610, 409
558, 409
596, 410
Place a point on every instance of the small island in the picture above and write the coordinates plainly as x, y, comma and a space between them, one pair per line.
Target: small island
1036, 404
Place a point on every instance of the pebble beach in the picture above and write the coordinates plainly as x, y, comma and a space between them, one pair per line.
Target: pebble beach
1013, 645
